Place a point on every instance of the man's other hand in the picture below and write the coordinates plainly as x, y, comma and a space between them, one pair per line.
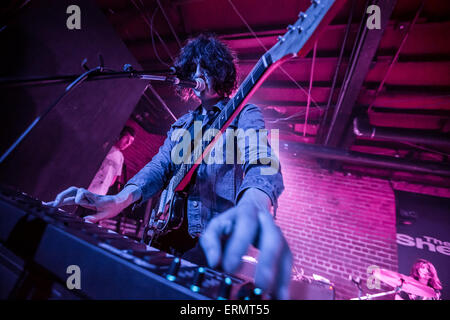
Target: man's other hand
250, 222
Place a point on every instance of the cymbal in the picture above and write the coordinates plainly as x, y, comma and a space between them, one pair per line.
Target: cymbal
410, 285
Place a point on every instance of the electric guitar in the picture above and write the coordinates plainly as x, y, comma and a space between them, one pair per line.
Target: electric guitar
296, 42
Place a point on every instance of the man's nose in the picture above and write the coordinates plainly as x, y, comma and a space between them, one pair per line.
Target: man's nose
198, 72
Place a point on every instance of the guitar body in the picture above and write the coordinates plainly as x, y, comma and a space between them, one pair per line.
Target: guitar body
168, 215
177, 211
169, 232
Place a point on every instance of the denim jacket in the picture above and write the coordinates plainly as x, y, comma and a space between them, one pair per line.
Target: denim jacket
217, 186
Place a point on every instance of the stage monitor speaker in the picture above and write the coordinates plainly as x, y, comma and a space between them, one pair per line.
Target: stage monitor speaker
305, 289
311, 290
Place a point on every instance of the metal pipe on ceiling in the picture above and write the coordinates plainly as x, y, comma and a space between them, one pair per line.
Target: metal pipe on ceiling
359, 40
331, 153
338, 67
363, 129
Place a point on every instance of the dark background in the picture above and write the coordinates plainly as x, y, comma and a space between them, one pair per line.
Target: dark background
68, 146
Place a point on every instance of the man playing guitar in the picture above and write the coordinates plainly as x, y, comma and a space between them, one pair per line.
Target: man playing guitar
228, 204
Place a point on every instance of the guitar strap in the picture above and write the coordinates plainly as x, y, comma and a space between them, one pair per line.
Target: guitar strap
197, 116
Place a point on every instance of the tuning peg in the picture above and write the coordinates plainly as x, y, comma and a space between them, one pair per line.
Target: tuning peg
315, 2
302, 15
281, 39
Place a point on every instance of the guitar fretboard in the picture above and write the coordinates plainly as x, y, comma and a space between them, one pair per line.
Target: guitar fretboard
244, 89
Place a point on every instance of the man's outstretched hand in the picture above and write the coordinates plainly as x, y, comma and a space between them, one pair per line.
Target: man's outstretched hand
106, 206
247, 223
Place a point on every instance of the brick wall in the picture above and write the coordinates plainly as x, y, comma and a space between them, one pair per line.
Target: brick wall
144, 147
337, 225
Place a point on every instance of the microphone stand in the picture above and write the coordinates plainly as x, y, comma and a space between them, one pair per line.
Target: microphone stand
357, 282
381, 294
376, 295
105, 75
90, 74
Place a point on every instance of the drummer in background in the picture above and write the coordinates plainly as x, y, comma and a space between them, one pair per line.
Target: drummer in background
112, 165
424, 272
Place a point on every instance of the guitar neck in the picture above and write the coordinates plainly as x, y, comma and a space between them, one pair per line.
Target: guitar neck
252, 81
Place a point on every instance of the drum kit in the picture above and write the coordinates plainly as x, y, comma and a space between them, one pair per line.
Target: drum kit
399, 282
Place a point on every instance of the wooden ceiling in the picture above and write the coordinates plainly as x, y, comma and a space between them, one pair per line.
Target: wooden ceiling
404, 88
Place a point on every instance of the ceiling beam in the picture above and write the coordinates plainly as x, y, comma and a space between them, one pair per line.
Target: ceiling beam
365, 49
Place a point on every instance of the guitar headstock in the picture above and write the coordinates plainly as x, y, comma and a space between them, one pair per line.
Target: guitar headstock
298, 33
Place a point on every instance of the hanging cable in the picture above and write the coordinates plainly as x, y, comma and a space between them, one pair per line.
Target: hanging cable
297, 114
168, 22
311, 77
149, 22
265, 48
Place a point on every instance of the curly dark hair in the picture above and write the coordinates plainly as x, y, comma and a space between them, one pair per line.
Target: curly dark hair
215, 57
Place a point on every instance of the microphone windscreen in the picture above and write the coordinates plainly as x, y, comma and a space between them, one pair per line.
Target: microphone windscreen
201, 85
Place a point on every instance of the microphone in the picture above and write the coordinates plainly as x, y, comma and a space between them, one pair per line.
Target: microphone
197, 84
201, 84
